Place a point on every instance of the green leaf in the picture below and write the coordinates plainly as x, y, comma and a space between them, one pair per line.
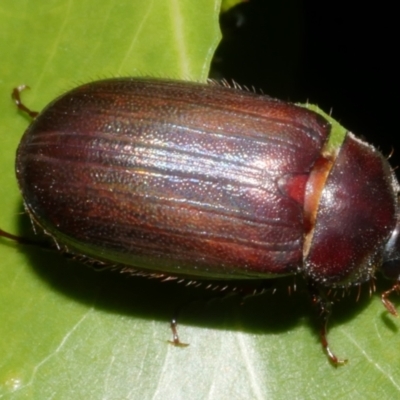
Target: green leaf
228, 4
70, 332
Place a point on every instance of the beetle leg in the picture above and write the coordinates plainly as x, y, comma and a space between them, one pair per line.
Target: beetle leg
246, 291
175, 337
385, 298
324, 307
22, 240
17, 100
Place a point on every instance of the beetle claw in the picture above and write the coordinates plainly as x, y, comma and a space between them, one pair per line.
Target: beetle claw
324, 341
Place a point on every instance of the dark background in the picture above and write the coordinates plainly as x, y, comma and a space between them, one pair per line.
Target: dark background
334, 54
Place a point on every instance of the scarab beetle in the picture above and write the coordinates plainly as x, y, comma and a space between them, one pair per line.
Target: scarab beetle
210, 182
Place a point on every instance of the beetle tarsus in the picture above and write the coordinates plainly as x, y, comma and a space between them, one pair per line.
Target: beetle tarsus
324, 341
385, 299
17, 100
175, 338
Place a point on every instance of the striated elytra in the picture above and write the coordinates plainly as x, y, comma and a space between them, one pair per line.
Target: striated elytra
210, 182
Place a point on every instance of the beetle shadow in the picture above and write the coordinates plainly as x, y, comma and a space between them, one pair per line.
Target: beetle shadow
389, 321
272, 312
152, 299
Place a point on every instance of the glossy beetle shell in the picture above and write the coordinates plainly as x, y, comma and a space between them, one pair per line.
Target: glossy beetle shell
205, 181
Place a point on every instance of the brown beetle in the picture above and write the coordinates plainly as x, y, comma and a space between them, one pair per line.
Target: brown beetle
210, 182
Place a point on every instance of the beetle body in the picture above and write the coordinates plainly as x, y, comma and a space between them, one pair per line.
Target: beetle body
205, 181
209, 182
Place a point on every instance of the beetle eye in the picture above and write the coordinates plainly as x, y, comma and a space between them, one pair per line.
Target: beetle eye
391, 269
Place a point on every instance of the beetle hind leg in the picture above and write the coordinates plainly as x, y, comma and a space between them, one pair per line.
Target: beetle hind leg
16, 96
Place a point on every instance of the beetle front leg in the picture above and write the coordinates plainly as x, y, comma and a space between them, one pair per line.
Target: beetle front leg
385, 298
324, 307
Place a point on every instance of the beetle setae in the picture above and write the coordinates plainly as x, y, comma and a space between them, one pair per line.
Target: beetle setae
210, 182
